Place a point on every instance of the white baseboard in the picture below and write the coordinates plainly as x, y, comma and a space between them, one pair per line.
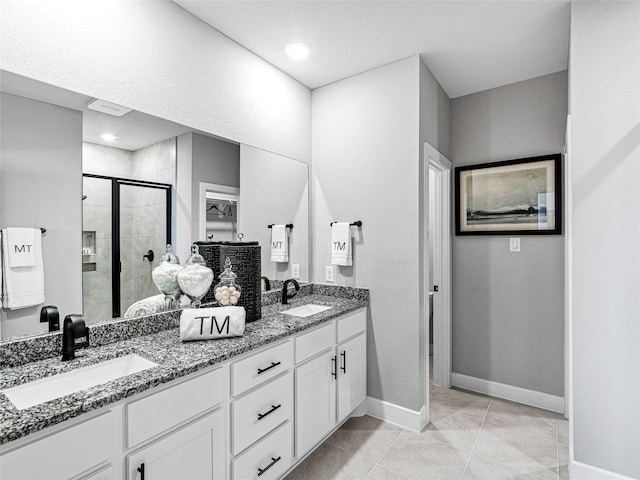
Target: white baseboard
509, 392
582, 471
409, 419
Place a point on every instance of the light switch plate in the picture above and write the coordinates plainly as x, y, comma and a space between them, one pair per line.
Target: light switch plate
514, 244
330, 274
295, 270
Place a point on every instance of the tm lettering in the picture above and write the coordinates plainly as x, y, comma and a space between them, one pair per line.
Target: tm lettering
214, 321
339, 245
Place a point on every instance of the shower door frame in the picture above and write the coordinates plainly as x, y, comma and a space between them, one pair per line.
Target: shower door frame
116, 264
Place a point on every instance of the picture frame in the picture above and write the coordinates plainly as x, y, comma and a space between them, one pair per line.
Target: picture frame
521, 196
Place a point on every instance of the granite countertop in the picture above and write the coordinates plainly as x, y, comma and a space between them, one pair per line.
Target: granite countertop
174, 358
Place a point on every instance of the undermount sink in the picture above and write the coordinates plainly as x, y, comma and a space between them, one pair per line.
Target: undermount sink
56, 386
306, 310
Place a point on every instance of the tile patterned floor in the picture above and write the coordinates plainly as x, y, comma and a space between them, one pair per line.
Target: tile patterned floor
470, 437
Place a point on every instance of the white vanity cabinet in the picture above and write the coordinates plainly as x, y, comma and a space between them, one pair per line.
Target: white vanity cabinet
67, 453
251, 417
196, 451
330, 378
262, 413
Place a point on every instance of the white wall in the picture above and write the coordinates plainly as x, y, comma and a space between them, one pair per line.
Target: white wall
508, 315
41, 186
157, 58
605, 133
366, 152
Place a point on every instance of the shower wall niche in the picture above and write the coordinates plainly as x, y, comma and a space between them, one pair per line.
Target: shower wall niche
128, 213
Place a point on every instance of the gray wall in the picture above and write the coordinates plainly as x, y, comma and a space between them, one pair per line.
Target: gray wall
275, 189
605, 238
213, 161
508, 308
366, 151
41, 186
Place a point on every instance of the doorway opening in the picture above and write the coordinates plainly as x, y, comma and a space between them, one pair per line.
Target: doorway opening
437, 269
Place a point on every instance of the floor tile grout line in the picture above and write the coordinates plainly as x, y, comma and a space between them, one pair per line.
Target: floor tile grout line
466, 465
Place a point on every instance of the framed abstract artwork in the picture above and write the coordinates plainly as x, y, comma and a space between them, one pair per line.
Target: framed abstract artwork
520, 196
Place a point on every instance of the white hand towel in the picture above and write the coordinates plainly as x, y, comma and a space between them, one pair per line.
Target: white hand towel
21, 246
341, 244
22, 286
210, 323
279, 244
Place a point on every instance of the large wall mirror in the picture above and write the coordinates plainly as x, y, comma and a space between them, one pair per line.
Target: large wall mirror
106, 203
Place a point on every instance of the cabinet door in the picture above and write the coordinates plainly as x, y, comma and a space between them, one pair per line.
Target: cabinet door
196, 452
352, 375
315, 401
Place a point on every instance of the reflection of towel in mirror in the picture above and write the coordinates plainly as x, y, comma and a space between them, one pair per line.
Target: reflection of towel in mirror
210, 323
22, 286
341, 244
147, 306
21, 246
279, 244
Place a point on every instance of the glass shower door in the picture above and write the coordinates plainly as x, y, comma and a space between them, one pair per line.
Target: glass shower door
143, 236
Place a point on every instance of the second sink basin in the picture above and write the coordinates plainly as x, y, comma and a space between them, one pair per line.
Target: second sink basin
306, 310
57, 386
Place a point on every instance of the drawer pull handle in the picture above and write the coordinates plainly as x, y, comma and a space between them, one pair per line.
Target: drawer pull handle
141, 470
344, 362
334, 370
273, 364
273, 409
273, 462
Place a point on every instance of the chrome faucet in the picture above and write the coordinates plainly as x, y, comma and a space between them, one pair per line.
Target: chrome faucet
285, 293
75, 335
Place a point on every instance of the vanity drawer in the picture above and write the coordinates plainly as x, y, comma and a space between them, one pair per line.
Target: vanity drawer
314, 342
352, 325
259, 368
84, 446
164, 410
276, 450
261, 411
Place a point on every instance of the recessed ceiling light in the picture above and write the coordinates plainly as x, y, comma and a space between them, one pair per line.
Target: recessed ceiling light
108, 137
297, 50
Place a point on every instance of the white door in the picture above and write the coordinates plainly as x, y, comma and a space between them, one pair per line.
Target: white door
315, 400
437, 186
352, 375
195, 452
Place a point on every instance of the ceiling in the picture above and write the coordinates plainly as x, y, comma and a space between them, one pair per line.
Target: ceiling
133, 130
469, 46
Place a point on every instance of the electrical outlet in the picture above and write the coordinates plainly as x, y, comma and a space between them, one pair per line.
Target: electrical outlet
330, 274
295, 270
514, 244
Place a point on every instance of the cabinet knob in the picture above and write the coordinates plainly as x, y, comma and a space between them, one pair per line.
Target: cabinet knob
141, 470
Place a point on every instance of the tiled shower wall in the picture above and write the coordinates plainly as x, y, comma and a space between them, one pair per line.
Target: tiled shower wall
142, 221
96, 217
